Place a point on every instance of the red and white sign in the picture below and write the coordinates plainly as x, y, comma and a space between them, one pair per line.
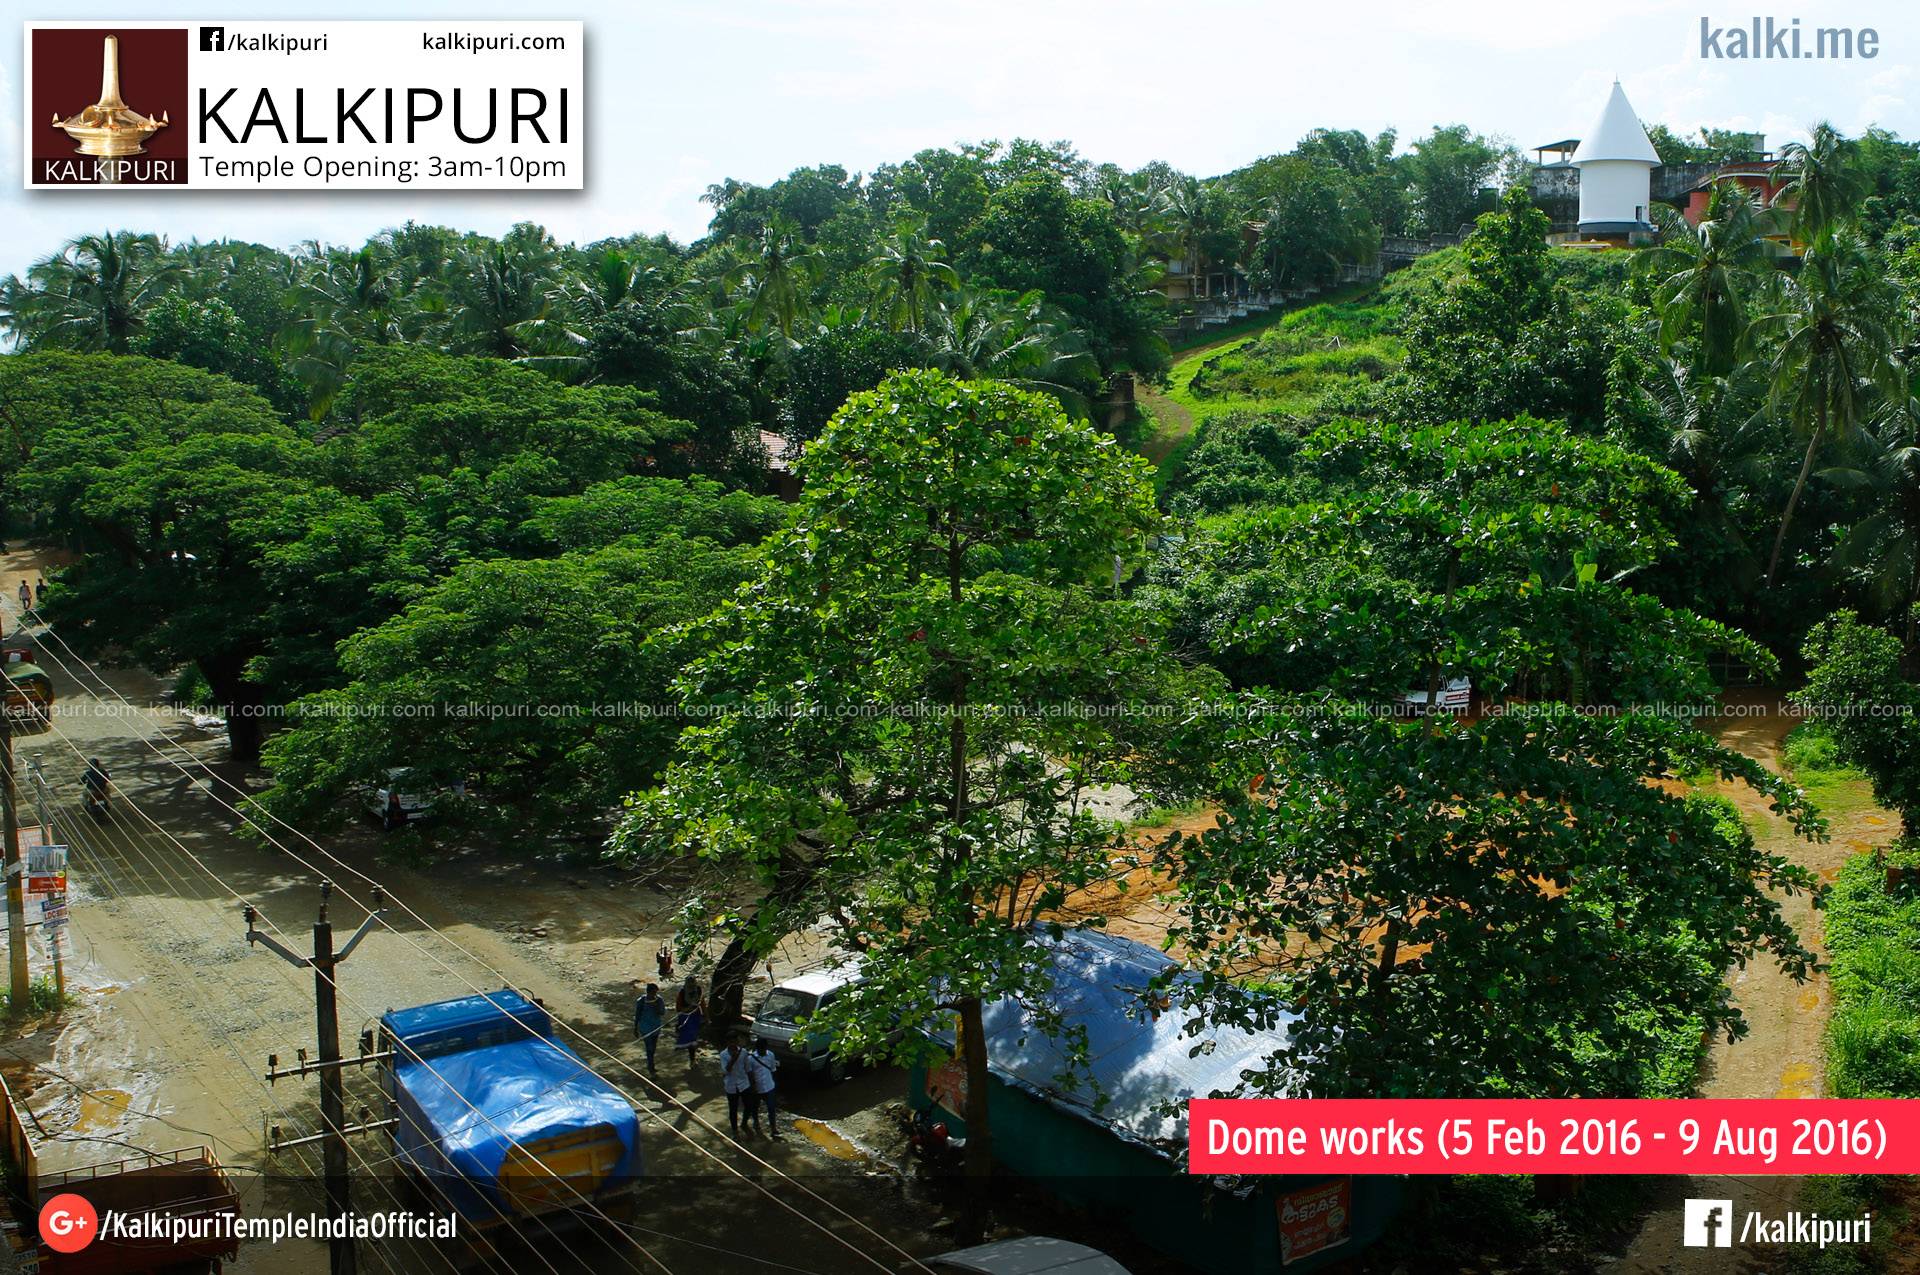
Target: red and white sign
1319, 1217
46, 870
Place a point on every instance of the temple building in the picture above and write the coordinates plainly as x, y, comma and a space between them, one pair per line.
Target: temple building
1616, 163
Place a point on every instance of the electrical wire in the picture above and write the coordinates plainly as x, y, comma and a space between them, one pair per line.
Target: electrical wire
663, 1092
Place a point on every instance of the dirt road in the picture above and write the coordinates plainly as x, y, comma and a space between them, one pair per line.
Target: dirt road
1782, 1056
176, 1017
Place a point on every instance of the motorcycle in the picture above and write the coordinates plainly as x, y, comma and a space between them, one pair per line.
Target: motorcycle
931, 1143
96, 802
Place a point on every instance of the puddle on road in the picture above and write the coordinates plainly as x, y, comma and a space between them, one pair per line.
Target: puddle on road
1796, 1081
827, 1140
101, 1109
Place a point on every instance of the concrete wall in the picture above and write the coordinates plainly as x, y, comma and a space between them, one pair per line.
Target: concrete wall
1615, 190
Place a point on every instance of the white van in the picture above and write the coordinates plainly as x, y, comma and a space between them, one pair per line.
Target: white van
788, 1007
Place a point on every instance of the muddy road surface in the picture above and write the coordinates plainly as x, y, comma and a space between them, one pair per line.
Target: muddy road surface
175, 1016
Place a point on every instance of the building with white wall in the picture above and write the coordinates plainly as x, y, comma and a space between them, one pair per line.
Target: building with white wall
1616, 163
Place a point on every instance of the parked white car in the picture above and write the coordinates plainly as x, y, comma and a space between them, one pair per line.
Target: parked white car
396, 802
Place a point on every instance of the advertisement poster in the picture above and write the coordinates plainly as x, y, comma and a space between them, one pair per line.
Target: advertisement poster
1314, 1219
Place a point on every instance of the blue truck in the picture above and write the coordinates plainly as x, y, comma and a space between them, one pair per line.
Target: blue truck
498, 1120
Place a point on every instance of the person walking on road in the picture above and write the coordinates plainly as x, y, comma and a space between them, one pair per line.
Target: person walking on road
26, 600
691, 1007
761, 1064
649, 1015
736, 1079
663, 961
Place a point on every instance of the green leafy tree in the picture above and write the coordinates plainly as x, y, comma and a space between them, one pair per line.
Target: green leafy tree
1447, 170
93, 295
905, 742
538, 684
842, 360
1856, 687
1394, 877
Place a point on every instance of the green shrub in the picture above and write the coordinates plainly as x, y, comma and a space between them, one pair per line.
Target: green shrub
1844, 1197
42, 998
1873, 1051
1873, 941
1811, 747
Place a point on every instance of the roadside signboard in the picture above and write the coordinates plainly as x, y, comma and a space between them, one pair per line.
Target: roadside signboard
1315, 1218
47, 870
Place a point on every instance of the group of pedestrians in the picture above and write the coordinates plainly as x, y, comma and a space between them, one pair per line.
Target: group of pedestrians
746, 1072
31, 597
689, 1017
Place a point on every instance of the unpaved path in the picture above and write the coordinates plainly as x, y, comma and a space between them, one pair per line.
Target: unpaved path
1782, 1055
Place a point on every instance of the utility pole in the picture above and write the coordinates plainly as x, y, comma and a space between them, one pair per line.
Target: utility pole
326, 1012
19, 982
54, 934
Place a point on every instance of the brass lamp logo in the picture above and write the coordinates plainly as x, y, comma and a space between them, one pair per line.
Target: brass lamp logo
110, 129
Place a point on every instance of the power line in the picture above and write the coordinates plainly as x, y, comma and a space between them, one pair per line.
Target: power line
664, 1093
305, 1164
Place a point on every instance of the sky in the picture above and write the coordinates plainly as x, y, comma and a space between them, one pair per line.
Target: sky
684, 93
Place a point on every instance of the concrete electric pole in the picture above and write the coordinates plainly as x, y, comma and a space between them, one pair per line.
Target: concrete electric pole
330, 1066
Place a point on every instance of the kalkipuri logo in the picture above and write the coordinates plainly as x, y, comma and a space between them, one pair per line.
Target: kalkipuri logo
1711, 1224
110, 96
1765, 39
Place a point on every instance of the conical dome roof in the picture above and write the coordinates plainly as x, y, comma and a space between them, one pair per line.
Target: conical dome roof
1616, 134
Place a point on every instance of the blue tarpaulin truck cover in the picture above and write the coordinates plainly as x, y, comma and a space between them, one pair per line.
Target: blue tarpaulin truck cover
477, 1077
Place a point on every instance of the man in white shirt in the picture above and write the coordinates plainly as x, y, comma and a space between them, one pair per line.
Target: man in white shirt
761, 1064
736, 1079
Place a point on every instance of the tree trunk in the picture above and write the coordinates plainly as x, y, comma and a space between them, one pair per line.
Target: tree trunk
241, 701
729, 990
1799, 484
979, 1163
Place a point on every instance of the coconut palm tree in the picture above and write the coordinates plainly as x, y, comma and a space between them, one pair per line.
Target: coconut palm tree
346, 301
1019, 340
908, 276
1824, 185
92, 294
1704, 278
1833, 352
503, 297
1197, 213
1882, 549
1719, 437
774, 276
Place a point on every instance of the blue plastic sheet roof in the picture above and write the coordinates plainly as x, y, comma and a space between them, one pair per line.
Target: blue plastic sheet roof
505, 1015
1139, 1060
463, 1108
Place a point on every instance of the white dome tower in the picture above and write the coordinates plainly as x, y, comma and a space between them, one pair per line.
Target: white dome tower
1616, 163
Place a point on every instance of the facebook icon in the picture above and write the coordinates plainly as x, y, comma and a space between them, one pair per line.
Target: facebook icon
213, 39
1708, 1224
